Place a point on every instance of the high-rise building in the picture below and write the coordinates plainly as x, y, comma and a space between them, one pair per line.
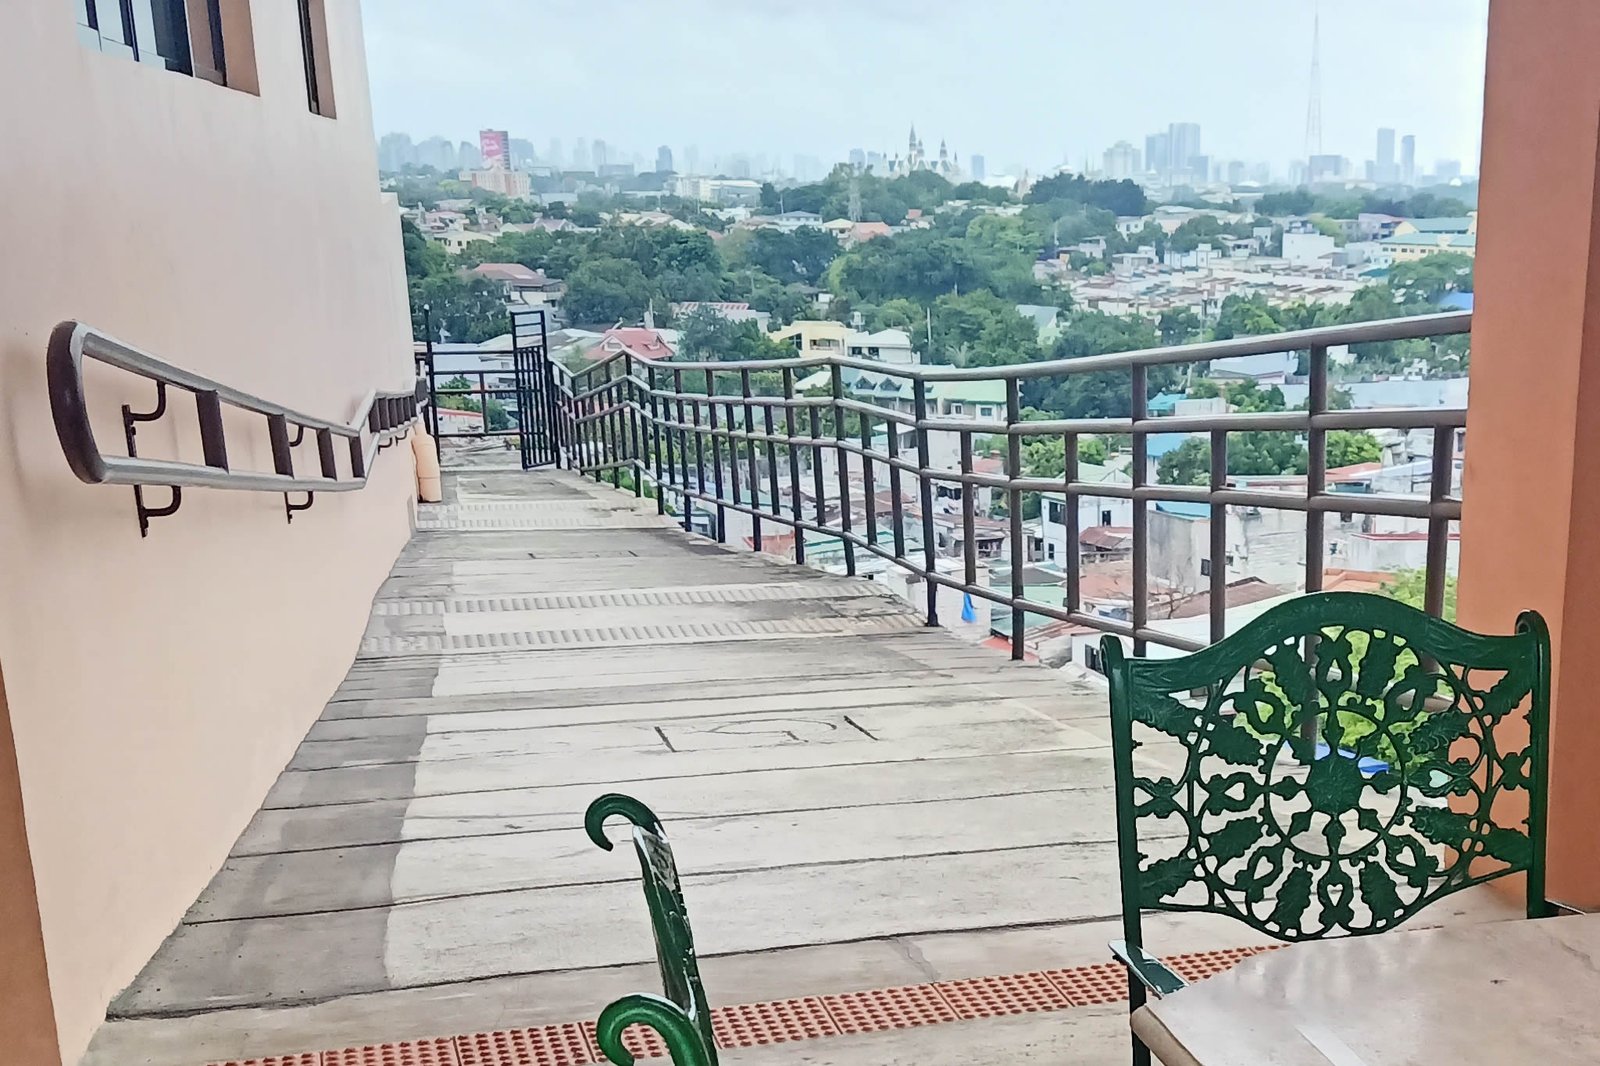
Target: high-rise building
395, 152
875, 162
553, 156
1121, 161
468, 156
494, 148
858, 158
1327, 168
1200, 167
601, 154
1236, 172
580, 155
1383, 169
1408, 159
1183, 144
1158, 153
438, 153
691, 159
663, 159
1446, 170
523, 154
976, 164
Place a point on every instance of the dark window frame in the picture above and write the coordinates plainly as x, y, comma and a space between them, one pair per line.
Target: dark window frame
155, 32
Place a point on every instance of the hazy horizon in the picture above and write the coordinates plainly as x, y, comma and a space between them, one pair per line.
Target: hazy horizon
1030, 83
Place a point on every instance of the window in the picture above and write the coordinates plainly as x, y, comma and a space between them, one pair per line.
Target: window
1205, 567
1055, 511
1050, 550
956, 409
1105, 518
184, 36
314, 50
986, 412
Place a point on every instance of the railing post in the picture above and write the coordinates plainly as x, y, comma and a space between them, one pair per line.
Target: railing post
1316, 468
1070, 524
754, 481
969, 510
654, 436
840, 456
814, 417
716, 457
896, 506
1019, 617
794, 466
1138, 399
868, 489
919, 394
772, 462
683, 451
636, 458
1218, 594
1442, 475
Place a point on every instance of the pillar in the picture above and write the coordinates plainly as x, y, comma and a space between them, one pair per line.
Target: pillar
1530, 530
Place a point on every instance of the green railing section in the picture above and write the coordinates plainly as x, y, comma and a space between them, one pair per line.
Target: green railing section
1331, 769
681, 1016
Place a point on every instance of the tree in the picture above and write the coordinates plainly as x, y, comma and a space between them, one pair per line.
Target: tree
1187, 464
495, 419
1275, 204
1119, 197
706, 334
1410, 587
1349, 447
606, 290
423, 257
1427, 280
468, 309
800, 256
1179, 326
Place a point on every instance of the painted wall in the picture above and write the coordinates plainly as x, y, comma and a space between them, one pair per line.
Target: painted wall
1532, 501
156, 687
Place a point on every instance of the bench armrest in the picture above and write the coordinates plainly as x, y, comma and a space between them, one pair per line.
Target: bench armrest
1150, 971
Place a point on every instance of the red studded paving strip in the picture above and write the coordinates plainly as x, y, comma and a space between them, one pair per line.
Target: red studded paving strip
783, 1020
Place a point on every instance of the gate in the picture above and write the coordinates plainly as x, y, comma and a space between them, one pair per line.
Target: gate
479, 394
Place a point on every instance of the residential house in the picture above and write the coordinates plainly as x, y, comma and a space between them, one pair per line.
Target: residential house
523, 286
1094, 512
886, 346
641, 342
728, 311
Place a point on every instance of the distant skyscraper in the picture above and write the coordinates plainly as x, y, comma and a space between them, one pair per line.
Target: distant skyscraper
1183, 144
1236, 172
875, 162
1408, 159
438, 153
601, 154
395, 152
858, 158
1384, 169
469, 156
1327, 167
494, 148
553, 155
663, 159
580, 155
1121, 161
978, 166
1446, 170
739, 166
522, 153
1158, 153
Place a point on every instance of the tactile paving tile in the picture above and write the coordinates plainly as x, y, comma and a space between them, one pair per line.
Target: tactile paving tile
1198, 965
888, 1008
310, 1058
1085, 985
439, 1052
990, 997
641, 1040
550, 1045
754, 1024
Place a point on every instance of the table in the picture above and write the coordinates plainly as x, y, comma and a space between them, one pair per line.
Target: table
1496, 993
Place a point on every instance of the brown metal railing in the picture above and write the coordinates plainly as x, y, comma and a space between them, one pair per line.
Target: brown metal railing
708, 434
382, 418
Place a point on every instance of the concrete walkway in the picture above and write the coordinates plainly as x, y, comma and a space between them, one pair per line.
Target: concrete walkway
856, 802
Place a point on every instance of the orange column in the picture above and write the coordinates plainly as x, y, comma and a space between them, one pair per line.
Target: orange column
27, 1014
1530, 532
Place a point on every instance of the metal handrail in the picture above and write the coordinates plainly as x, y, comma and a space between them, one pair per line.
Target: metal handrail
381, 418
675, 428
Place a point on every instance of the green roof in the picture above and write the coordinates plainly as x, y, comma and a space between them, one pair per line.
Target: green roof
1442, 241
989, 390
1448, 224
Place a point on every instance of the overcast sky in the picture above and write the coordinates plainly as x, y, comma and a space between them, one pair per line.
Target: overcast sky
1036, 82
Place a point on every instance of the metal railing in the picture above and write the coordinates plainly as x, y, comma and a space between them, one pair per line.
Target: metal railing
511, 399
382, 418
744, 437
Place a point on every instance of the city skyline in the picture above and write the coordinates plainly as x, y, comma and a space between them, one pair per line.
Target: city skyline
453, 78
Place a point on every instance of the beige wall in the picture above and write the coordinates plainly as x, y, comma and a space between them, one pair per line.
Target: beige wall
156, 687
1532, 498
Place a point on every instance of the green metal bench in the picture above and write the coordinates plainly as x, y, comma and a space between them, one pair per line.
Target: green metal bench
1331, 769
681, 1016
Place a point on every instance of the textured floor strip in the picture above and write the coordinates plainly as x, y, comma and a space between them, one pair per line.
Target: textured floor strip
780, 1021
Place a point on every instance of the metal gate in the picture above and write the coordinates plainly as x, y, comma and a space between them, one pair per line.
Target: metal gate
479, 394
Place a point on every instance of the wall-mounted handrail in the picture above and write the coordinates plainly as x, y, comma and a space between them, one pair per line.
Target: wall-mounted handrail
381, 418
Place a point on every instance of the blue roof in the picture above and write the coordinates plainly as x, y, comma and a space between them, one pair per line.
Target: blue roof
1164, 403
1159, 444
1456, 301
1184, 508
